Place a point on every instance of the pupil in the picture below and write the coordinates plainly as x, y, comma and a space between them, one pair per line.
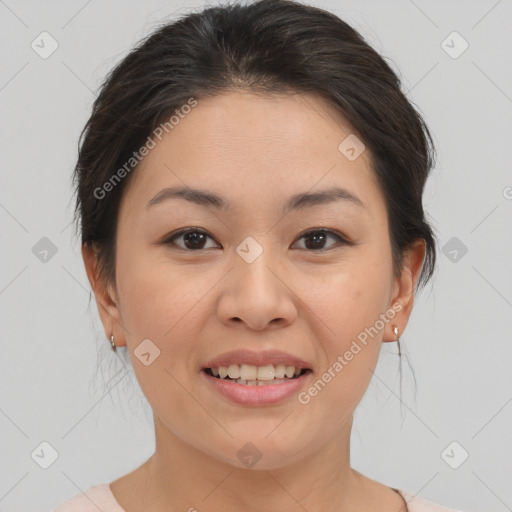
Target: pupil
319, 236
195, 238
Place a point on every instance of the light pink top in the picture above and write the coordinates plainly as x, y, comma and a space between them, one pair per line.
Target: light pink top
100, 497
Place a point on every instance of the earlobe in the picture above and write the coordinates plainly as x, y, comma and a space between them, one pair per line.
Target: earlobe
392, 330
405, 288
104, 295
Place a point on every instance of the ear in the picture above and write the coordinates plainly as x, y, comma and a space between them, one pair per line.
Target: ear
404, 288
105, 296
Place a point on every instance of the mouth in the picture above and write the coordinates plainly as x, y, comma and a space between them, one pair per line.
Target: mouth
256, 377
251, 375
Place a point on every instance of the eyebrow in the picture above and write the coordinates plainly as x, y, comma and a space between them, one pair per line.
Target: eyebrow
296, 202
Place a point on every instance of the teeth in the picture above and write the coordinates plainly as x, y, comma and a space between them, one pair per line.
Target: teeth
261, 382
266, 372
234, 371
280, 371
256, 375
274, 381
248, 372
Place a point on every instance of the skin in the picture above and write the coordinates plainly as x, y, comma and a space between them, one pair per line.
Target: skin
256, 151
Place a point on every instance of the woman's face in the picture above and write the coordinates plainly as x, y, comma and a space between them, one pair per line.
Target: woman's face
252, 279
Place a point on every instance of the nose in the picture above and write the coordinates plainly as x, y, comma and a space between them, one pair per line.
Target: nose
258, 295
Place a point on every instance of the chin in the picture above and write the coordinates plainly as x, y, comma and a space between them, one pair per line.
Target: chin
257, 452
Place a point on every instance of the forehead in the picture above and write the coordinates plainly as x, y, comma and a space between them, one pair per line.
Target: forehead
250, 146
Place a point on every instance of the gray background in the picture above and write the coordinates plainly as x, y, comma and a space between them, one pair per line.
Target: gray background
61, 385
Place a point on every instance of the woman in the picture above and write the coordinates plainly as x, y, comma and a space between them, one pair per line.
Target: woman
249, 187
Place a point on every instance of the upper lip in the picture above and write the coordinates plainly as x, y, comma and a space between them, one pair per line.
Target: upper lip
256, 358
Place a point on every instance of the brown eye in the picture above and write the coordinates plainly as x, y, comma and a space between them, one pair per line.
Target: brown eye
192, 239
316, 239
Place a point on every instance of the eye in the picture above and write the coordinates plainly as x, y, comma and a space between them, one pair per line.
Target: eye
193, 239
317, 238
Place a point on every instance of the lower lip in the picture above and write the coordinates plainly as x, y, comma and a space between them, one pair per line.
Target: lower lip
256, 395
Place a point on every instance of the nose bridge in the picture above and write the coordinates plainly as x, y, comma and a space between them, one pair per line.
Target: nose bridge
252, 266
255, 293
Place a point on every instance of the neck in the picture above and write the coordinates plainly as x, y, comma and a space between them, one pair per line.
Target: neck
189, 479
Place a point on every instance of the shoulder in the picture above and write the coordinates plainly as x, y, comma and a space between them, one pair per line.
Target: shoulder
419, 504
96, 498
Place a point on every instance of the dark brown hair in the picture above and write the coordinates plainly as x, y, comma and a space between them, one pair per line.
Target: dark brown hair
266, 47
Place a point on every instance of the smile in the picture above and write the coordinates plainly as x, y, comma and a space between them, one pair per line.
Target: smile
251, 375
270, 387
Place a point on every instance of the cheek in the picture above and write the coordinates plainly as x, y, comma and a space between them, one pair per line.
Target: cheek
354, 295
155, 294
350, 350
350, 307
160, 304
349, 312
165, 303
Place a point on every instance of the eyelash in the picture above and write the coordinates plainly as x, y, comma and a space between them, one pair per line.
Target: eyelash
341, 240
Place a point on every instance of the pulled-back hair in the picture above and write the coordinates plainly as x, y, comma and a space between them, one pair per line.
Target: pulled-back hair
266, 47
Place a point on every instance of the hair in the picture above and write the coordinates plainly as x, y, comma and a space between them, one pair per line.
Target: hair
265, 47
